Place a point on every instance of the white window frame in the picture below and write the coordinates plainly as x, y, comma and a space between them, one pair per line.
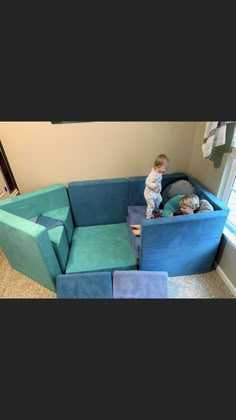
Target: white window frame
224, 193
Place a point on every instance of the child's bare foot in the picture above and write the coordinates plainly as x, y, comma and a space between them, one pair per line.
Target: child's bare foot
136, 232
135, 226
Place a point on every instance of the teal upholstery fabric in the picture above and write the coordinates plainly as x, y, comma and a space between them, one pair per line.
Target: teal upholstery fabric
58, 238
28, 249
101, 248
37, 202
64, 215
84, 286
27, 245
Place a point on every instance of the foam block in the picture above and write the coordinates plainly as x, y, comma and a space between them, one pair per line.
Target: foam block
84, 285
133, 284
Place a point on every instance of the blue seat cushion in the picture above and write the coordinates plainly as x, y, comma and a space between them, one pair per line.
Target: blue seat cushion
140, 284
95, 285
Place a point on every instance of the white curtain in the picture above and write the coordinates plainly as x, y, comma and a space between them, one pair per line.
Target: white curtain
214, 136
216, 141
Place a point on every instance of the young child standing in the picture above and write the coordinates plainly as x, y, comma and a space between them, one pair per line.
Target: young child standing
153, 187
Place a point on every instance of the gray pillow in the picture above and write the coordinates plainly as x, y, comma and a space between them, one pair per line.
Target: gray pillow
176, 188
205, 206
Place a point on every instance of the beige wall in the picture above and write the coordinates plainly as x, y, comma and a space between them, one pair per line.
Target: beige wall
41, 153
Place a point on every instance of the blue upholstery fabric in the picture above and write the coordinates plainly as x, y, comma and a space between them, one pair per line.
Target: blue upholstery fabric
182, 245
84, 286
48, 223
136, 190
136, 214
140, 284
99, 202
203, 193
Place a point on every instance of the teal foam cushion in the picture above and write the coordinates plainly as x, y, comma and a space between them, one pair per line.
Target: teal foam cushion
101, 248
35, 203
60, 244
84, 286
28, 249
64, 215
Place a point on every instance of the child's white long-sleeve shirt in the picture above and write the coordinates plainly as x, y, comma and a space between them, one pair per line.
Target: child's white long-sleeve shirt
153, 179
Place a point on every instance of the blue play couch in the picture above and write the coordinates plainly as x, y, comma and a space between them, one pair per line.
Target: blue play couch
85, 228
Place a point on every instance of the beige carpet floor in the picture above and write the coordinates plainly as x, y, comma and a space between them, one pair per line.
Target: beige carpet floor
14, 285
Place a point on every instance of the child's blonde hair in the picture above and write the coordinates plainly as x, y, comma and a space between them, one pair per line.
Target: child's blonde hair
191, 201
161, 160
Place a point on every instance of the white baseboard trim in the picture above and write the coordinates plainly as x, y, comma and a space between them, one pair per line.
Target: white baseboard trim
225, 279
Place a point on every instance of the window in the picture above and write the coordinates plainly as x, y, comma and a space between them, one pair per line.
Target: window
228, 193
232, 199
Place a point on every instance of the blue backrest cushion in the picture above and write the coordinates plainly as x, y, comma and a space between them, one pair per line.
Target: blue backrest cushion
203, 193
182, 245
99, 202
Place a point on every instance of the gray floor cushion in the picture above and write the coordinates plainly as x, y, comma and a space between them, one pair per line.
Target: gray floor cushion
140, 284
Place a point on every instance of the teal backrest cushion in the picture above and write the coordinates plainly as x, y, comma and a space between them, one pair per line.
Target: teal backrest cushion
35, 203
